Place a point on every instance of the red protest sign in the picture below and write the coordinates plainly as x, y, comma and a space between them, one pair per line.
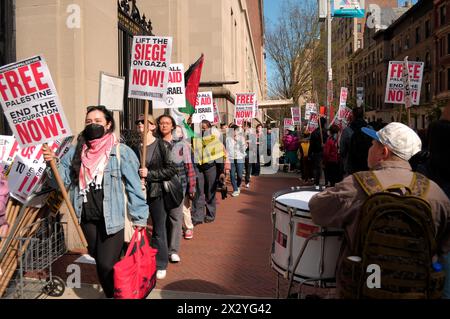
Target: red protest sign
149, 71
31, 104
396, 84
313, 123
245, 107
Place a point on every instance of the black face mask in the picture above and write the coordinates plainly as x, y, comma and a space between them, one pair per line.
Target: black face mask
93, 131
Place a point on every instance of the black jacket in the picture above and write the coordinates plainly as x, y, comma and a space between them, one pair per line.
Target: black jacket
160, 168
315, 143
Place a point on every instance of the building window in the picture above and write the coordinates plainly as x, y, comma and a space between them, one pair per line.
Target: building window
427, 60
407, 43
417, 35
359, 27
442, 15
427, 92
392, 50
359, 44
427, 29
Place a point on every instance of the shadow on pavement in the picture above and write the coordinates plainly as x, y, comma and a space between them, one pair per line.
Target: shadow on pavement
192, 289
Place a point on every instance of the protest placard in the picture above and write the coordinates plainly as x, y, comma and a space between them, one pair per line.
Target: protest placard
296, 117
203, 108
26, 175
342, 117
310, 108
313, 122
30, 102
6, 156
343, 96
175, 94
395, 87
287, 122
244, 107
111, 91
149, 73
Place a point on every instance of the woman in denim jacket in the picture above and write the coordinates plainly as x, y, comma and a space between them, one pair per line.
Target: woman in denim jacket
92, 171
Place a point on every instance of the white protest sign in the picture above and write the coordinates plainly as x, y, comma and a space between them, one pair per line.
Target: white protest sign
342, 117
111, 91
203, 108
343, 97
313, 123
149, 73
359, 95
296, 117
395, 87
26, 174
30, 102
310, 108
175, 95
287, 122
245, 107
6, 156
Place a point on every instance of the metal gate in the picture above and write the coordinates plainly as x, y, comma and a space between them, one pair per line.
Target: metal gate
130, 23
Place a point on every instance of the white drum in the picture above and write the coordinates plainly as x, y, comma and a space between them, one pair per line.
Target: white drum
292, 225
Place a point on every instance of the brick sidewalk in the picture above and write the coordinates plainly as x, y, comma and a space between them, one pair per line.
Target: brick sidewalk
230, 256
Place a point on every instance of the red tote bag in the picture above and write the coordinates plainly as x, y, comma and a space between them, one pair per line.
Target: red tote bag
135, 274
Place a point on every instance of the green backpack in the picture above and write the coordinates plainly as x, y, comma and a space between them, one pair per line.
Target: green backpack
396, 232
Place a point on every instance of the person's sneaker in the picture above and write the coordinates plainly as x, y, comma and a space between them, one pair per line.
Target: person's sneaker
235, 193
189, 234
175, 258
318, 187
247, 185
161, 274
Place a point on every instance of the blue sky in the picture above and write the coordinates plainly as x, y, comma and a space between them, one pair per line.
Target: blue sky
272, 13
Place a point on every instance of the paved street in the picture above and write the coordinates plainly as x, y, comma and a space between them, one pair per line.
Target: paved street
228, 257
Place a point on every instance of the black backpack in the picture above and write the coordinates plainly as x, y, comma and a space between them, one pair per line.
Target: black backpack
396, 233
358, 150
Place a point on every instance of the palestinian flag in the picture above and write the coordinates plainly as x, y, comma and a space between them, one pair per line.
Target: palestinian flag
192, 81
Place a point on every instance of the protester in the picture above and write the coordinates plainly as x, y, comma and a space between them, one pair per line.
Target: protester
436, 167
269, 145
4, 195
140, 129
236, 147
331, 157
306, 164
354, 149
315, 152
256, 168
94, 176
291, 144
181, 157
204, 203
250, 156
158, 168
340, 206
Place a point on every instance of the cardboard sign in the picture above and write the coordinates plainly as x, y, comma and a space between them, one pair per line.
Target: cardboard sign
203, 107
296, 117
313, 123
26, 175
395, 87
149, 73
245, 107
310, 108
31, 104
288, 122
175, 95
111, 91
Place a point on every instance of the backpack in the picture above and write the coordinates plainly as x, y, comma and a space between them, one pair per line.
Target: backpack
330, 151
397, 233
358, 150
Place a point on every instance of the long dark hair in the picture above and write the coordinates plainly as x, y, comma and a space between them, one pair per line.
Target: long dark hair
76, 161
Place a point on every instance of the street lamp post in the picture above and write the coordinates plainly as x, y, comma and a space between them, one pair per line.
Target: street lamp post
329, 68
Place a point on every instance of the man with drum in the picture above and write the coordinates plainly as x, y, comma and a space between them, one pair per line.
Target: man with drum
340, 206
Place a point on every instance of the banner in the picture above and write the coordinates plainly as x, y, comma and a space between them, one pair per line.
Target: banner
26, 175
203, 108
343, 96
245, 107
348, 9
395, 86
296, 117
175, 94
313, 123
310, 108
149, 72
30, 102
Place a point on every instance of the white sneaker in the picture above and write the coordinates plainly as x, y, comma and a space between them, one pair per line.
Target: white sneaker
161, 274
175, 258
247, 185
235, 193
317, 187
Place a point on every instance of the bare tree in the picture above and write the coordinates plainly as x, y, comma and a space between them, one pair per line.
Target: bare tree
291, 43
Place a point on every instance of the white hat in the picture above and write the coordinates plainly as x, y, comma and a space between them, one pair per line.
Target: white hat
398, 138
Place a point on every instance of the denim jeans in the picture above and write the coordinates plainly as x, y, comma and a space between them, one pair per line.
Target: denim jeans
446, 294
237, 168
